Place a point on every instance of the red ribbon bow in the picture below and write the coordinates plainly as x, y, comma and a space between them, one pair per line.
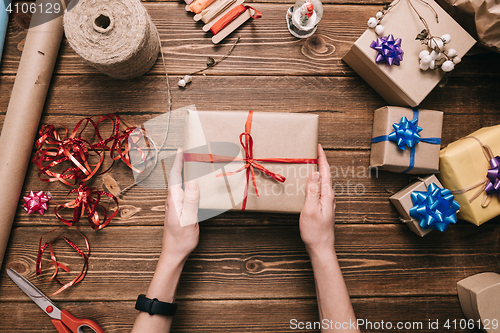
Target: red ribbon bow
85, 202
251, 163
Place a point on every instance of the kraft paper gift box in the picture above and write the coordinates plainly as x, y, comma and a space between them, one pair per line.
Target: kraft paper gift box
423, 157
403, 203
480, 300
406, 84
464, 167
292, 137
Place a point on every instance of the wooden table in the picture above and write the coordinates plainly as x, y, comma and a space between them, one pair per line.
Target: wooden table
250, 271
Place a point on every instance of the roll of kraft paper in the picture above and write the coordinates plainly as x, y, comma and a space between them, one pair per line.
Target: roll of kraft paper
117, 37
4, 22
24, 111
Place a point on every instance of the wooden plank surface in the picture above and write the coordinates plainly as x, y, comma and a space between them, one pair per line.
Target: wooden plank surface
246, 315
250, 271
266, 46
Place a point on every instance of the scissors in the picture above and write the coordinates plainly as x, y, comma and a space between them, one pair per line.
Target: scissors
62, 319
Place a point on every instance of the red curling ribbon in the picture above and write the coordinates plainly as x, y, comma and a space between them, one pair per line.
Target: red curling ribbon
87, 201
57, 265
231, 16
52, 150
246, 142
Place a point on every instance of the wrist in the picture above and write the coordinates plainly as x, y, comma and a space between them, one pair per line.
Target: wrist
321, 252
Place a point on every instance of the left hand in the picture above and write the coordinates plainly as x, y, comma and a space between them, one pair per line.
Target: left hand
181, 205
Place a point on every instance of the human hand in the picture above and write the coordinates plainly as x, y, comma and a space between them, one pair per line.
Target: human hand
181, 205
317, 218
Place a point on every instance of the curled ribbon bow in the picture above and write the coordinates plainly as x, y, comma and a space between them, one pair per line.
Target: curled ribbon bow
87, 201
493, 186
406, 133
388, 50
435, 208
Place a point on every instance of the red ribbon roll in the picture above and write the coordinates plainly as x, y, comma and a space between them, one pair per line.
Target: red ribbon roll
246, 142
231, 16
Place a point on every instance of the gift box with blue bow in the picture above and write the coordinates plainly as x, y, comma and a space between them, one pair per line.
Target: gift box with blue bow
425, 206
406, 140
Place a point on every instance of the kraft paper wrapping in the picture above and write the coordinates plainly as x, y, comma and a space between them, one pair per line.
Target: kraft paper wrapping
479, 297
275, 135
407, 84
402, 201
481, 18
24, 112
463, 164
4, 22
387, 156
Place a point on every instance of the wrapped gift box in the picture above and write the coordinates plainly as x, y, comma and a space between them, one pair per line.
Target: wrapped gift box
213, 152
463, 165
480, 300
403, 203
406, 84
423, 157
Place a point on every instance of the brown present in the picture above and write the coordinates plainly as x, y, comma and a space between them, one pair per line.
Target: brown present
480, 300
386, 154
407, 84
402, 201
285, 137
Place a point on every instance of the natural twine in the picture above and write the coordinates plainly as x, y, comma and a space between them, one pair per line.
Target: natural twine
117, 37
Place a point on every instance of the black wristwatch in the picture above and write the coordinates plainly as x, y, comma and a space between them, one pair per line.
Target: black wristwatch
154, 306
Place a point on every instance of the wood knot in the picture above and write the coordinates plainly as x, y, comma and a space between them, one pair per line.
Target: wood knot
254, 266
18, 266
318, 47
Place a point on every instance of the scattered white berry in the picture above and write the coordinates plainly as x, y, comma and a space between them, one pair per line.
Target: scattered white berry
435, 55
379, 30
451, 52
379, 15
187, 78
432, 64
435, 42
372, 22
423, 66
181, 83
427, 59
447, 66
423, 54
457, 60
446, 38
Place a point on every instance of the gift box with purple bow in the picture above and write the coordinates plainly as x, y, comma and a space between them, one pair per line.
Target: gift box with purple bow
406, 140
389, 54
470, 169
425, 206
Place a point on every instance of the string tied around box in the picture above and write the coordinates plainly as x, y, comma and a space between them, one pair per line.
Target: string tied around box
117, 37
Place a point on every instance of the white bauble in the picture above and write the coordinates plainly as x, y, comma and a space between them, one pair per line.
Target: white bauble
447, 66
379, 30
372, 22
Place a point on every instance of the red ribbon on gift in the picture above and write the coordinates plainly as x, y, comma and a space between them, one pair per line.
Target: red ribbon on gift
251, 163
231, 16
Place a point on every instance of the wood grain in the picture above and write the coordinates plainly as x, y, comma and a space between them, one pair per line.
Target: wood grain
345, 105
239, 315
266, 47
264, 261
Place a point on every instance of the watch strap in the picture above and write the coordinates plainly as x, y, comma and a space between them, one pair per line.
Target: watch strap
154, 306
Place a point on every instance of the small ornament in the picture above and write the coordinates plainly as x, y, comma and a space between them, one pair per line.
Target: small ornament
303, 17
379, 30
181, 83
36, 202
372, 22
446, 60
388, 50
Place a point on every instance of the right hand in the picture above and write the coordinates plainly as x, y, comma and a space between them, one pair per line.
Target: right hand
317, 218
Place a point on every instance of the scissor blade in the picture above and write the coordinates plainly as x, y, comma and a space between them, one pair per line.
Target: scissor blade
36, 295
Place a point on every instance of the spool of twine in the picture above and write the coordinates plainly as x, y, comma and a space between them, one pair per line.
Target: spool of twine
117, 37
